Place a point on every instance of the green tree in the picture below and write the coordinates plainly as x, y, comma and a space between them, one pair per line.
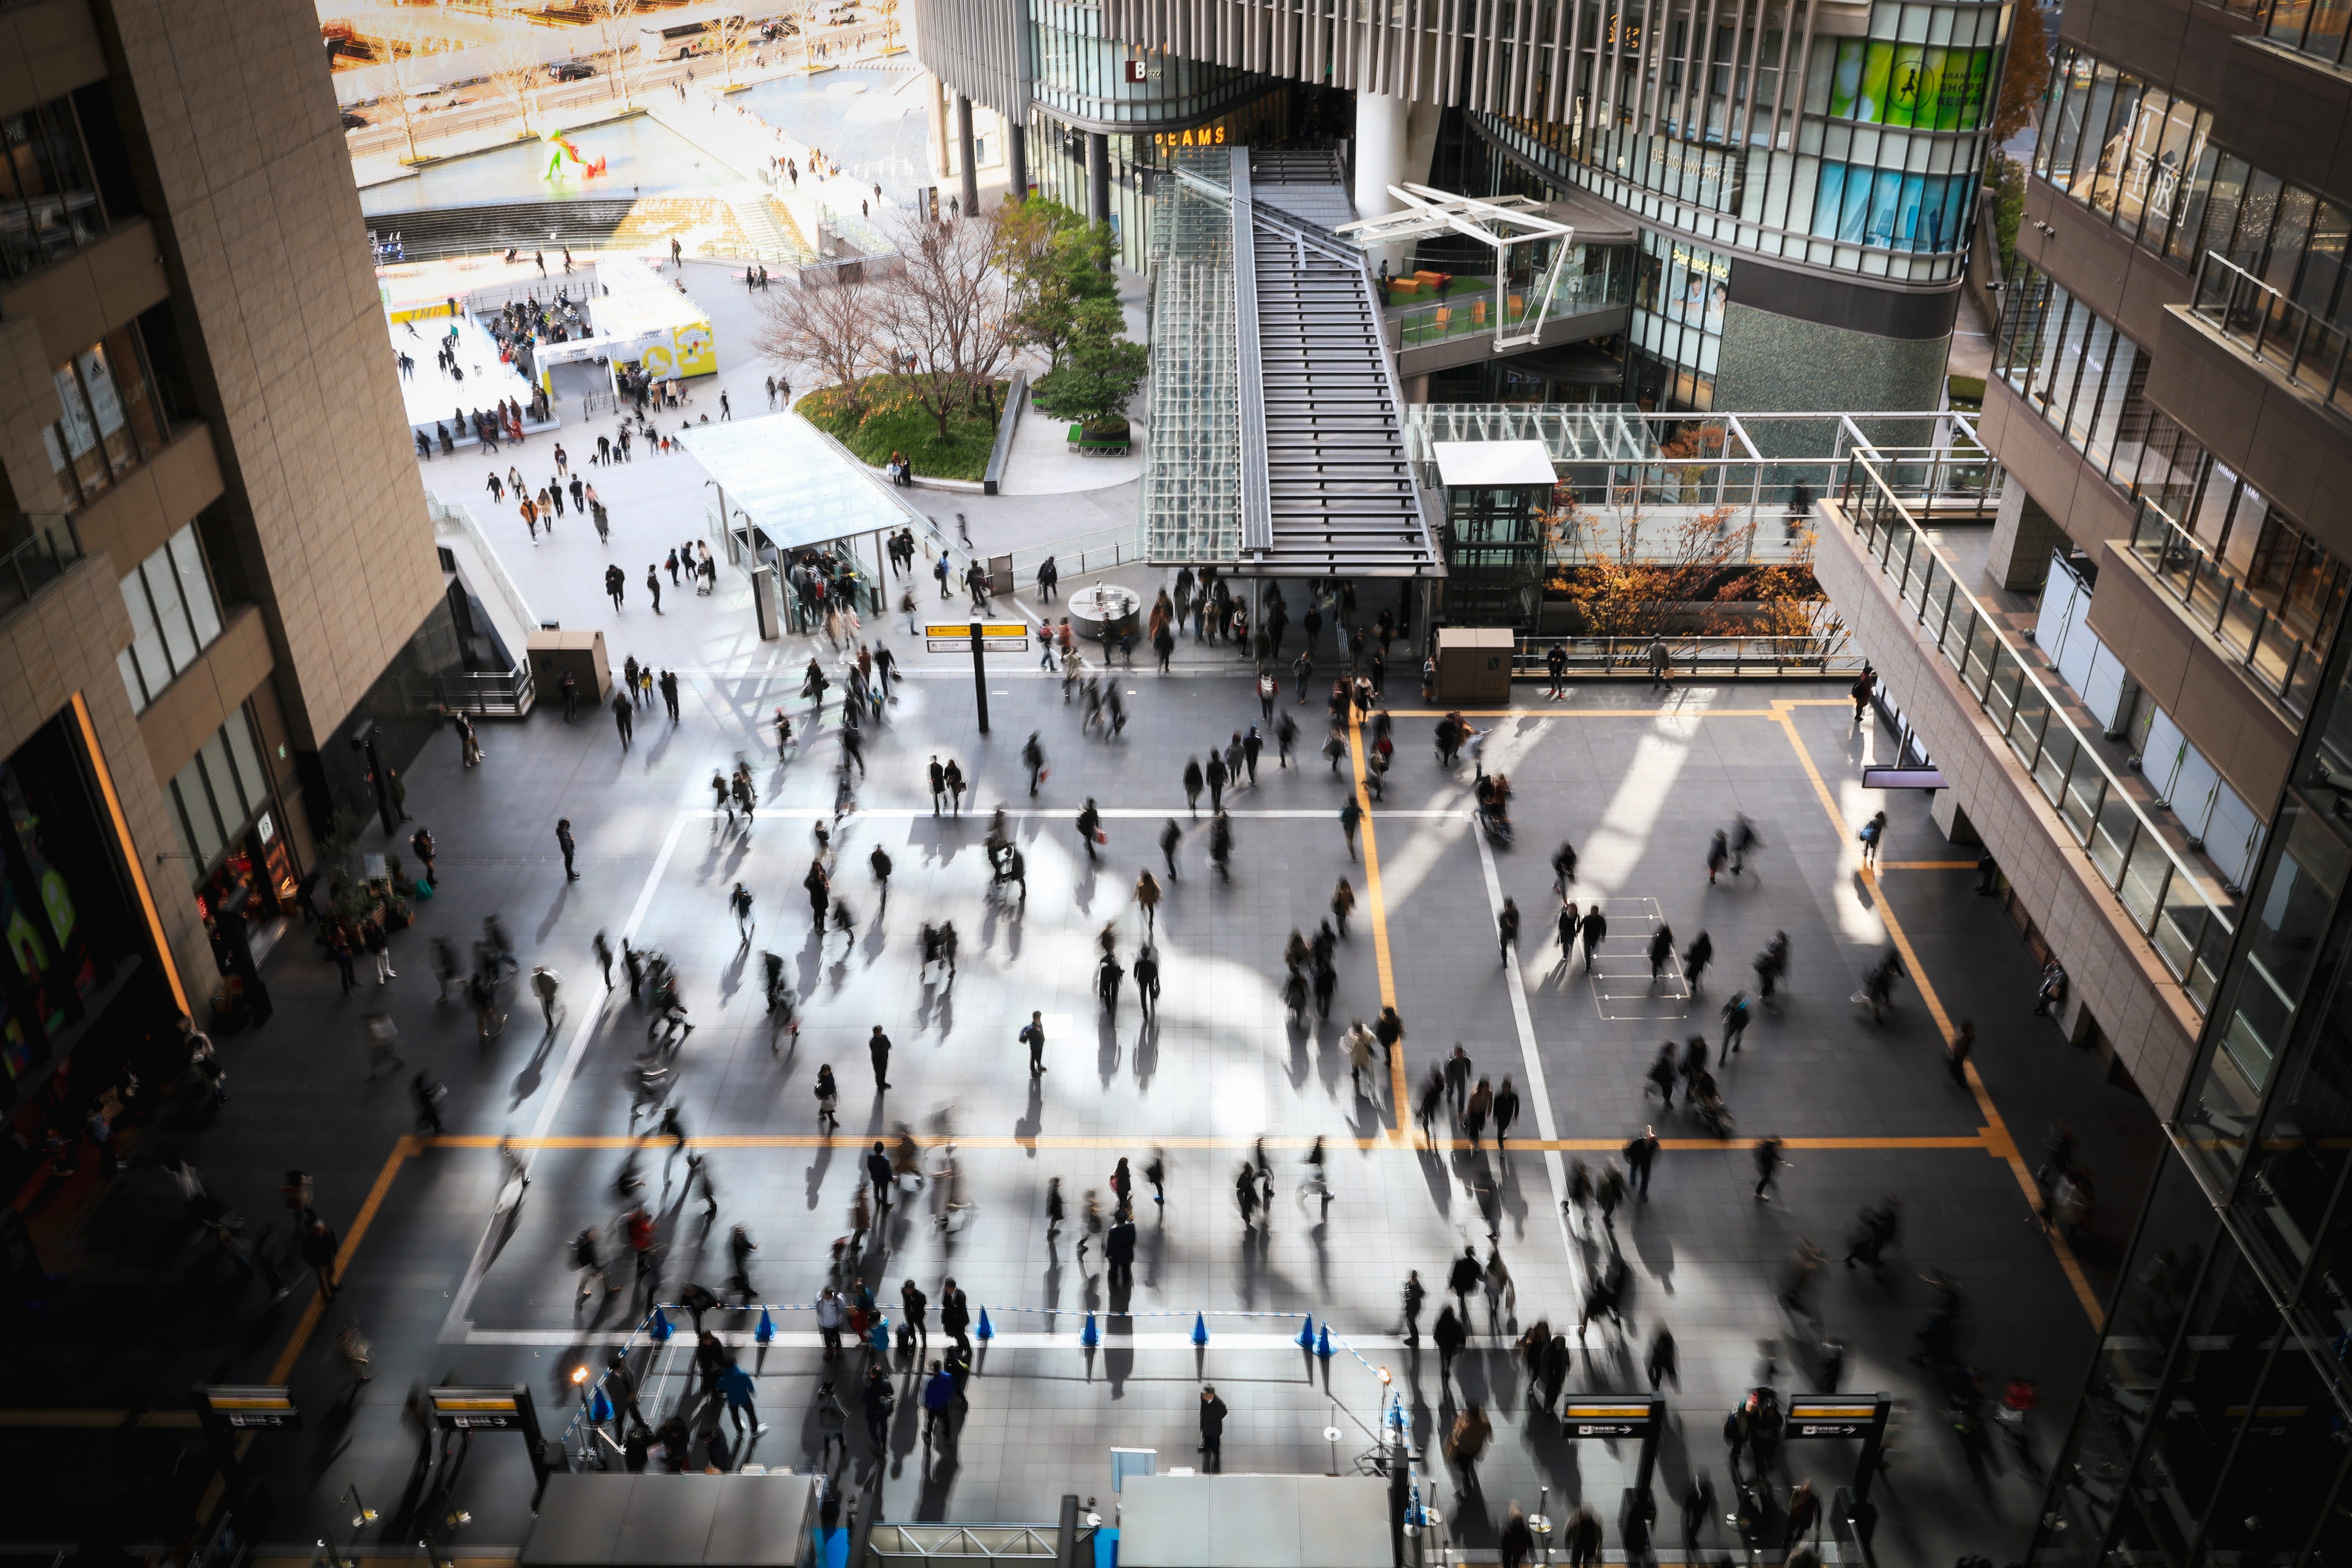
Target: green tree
1054, 262
1101, 367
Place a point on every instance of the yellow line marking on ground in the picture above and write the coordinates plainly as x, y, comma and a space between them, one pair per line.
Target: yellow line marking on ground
100, 1420
1376, 911
401, 1151
1652, 713
1926, 865
1995, 1135
1979, 1140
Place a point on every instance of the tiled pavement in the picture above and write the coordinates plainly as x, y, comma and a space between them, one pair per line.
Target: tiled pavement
1635, 780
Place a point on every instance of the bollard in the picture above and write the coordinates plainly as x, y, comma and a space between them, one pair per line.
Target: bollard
1323, 1340
987, 1331
1090, 1336
1199, 1328
1306, 1340
766, 1333
657, 1327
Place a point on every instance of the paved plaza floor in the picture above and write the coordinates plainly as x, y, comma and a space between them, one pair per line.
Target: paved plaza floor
447, 1287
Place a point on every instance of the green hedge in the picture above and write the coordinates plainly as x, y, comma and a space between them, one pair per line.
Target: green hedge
895, 422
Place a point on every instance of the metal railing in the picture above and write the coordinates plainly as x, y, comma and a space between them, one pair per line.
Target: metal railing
48, 551
1097, 552
1829, 654
2273, 329
2211, 596
2164, 897
489, 693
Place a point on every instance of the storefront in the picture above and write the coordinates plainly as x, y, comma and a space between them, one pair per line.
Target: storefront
75, 938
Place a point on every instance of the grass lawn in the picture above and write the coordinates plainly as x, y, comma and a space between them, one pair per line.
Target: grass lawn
895, 422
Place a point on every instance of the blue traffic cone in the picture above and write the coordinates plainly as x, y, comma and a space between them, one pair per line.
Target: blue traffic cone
1090, 1336
1199, 1328
600, 1409
1306, 1340
766, 1333
987, 1331
658, 1327
1323, 1340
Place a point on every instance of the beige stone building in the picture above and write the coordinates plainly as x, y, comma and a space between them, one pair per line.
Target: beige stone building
219, 556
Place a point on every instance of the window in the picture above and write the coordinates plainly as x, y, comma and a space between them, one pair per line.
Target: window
108, 416
48, 206
220, 791
174, 617
2135, 155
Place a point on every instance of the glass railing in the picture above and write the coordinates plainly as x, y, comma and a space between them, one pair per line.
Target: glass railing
2209, 594
47, 550
2273, 330
1466, 314
2165, 899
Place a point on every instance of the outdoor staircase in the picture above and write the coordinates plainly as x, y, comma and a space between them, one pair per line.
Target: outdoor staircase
772, 234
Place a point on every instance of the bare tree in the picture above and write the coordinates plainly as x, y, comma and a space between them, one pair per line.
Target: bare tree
803, 15
729, 35
515, 73
398, 105
946, 320
616, 31
825, 323
887, 10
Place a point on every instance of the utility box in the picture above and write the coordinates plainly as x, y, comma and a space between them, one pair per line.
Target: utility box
1000, 575
1473, 665
764, 606
581, 654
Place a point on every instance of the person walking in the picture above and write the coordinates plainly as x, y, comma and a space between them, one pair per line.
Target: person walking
1506, 931
1212, 1431
1465, 1276
1872, 832
877, 1047
740, 901
318, 1249
1351, 813
939, 1388
1768, 1167
1089, 827
1594, 931
1662, 1362
624, 719
653, 585
1451, 1336
1033, 757
1641, 1154
1034, 1037
1659, 659
545, 984
1865, 686
564, 841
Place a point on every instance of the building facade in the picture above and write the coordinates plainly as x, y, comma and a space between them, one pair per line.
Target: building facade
219, 548
1804, 176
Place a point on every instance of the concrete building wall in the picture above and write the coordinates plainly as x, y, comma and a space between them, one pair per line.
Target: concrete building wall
2115, 972
263, 240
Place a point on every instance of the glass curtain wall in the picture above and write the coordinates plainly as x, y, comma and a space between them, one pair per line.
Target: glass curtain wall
1876, 175
2210, 1429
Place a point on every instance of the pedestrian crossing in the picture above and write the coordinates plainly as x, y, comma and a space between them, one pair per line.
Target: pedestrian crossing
1623, 986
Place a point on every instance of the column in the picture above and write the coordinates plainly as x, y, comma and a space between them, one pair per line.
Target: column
1016, 160
964, 152
1380, 157
1097, 176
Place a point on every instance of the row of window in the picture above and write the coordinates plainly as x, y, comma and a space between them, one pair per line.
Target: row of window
2307, 27
1676, 333
1880, 82
173, 617
2131, 153
1081, 72
109, 417
2143, 160
221, 790
48, 204
2090, 381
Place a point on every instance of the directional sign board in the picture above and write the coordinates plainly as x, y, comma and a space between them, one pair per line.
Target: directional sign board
996, 636
1832, 1417
492, 1409
1607, 1418
249, 1407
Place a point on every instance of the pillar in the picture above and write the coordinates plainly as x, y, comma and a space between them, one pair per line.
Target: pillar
1381, 162
2023, 537
1097, 176
1016, 161
969, 158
